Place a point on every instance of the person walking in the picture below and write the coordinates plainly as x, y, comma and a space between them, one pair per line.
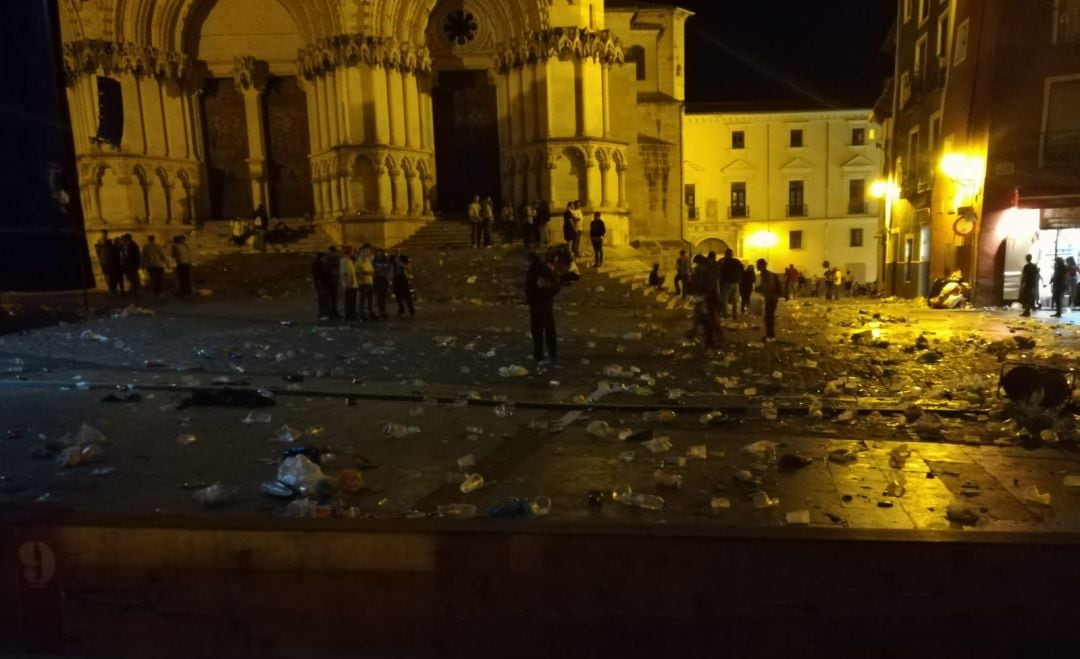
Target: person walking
730, 274
707, 299
1057, 286
476, 222
365, 277
384, 274
181, 255
109, 259
542, 283
348, 283
746, 287
682, 273
487, 215
597, 232
260, 221
402, 288
1029, 285
130, 262
772, 289
153, 259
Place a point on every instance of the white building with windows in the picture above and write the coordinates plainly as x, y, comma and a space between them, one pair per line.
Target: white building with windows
792, 187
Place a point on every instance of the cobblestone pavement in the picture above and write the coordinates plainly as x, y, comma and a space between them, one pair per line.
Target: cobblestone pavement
851, 386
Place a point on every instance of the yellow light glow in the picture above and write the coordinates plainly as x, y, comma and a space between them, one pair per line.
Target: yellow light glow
960, 167
762, 239
878, 189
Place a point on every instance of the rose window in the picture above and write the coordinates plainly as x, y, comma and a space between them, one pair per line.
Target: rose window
460, 27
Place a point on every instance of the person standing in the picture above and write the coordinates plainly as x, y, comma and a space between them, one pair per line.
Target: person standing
542, 283
348, 283
543, 217
181, 255
771, 288
830, 286
153, 259
476, 222
331, 280
704, 287
1070, 281
365, 276
1029, 285
318, 279
130, 261
682, 273
731, 270
402, 288
527, 215
384, 274
791, 280
597, 232
568, 227
579, 228
261, 222
1057, 286
487, 215
109, 258
746, 287
507, 219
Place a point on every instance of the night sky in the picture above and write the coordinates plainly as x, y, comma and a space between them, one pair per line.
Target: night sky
823, 53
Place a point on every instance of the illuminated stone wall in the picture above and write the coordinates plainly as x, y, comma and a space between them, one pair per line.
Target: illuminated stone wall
574, 122
826, 163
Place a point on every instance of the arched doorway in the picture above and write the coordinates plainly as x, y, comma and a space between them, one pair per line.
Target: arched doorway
711, 245
255, 115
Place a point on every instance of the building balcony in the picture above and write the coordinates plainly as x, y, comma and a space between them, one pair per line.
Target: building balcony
796, 210
858, 208
1061, 149
738, 212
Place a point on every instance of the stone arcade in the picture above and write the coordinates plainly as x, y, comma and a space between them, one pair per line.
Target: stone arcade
370, 116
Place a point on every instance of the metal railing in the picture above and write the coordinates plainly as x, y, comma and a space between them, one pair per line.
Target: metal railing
740, 211
796, 210
857, 208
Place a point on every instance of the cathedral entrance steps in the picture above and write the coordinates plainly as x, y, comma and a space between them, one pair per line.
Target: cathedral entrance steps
444, 232
215, 239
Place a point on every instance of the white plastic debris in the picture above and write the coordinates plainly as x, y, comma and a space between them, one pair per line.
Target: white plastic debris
257, 417
720, 503
1033, 495
797, 517
300, 473
763, 500
599, 429
763, 450
513, 371
658, 445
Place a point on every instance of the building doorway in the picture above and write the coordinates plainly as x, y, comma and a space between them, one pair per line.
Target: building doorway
288, 169
466, 139
225, 128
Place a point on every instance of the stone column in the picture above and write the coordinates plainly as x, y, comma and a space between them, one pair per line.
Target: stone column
621, 172
400, 192
396, 99
605, 185
529, 101
593, 183
416, 192
412, 111
250, 78
606, 100
426, 184
385, 192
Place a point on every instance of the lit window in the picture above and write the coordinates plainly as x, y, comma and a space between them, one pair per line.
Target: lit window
855, 239
961, 46
738, 200
738, 139
795, 240
858, 136
796, 138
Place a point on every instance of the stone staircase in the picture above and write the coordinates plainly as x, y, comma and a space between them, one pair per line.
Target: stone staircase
444, 233
213, 240
628, 266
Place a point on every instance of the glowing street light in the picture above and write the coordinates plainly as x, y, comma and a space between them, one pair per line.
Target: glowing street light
762, 239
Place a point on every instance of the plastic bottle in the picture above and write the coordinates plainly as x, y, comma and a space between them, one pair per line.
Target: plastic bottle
647, 501
541, 505
472, 483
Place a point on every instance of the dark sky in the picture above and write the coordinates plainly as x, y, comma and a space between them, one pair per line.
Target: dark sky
822, 51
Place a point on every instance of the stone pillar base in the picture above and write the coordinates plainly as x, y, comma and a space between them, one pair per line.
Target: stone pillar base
381, 232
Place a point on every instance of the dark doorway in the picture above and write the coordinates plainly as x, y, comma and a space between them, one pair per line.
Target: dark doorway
466, 139
225, 128
287, 148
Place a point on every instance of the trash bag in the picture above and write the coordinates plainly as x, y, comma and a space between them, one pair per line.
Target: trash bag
1021, 382
217, 495
300, 473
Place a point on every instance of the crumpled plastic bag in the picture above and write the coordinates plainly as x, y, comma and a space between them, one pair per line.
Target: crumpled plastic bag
300, 473
599, 429
217, 495
658, 445
513, 371
763, 450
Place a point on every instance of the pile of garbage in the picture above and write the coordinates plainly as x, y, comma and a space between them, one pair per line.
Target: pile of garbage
950, 293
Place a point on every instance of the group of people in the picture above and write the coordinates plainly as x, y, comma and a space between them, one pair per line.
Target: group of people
122, 262
257, 231
362, 278
531, 223
1063, 281
718, 284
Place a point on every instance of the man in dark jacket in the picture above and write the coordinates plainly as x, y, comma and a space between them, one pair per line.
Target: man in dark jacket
597, 231
130, 261
331, 277
541, 285
318, 278
109, 257
731, 270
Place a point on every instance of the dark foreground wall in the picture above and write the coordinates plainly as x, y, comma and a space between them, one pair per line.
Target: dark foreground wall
476, 589
41, 237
